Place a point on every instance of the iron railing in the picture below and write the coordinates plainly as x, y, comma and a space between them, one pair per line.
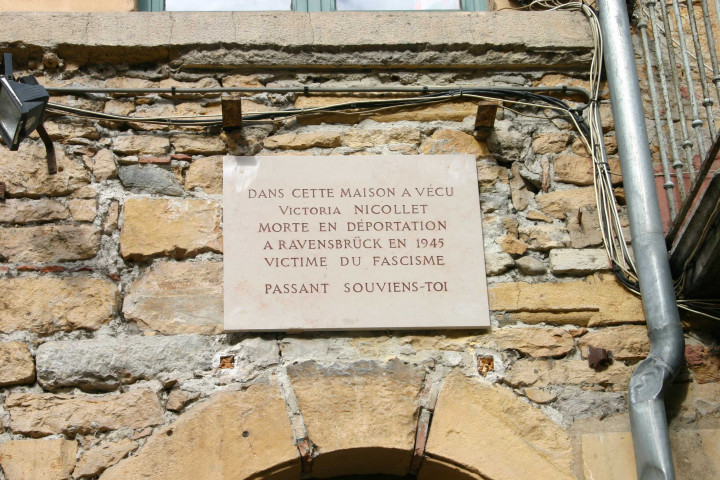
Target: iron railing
678, 40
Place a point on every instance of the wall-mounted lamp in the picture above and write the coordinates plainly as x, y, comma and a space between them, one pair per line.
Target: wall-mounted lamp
22, 110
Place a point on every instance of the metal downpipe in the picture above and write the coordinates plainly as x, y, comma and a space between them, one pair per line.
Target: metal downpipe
653, 457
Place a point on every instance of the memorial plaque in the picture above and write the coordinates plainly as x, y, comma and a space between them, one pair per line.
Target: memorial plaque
353, 242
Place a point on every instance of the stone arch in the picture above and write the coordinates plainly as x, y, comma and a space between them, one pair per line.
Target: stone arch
365, 419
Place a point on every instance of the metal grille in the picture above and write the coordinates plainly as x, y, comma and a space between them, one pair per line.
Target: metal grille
678, 48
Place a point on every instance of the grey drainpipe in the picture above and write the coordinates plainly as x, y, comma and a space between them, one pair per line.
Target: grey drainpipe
653, 457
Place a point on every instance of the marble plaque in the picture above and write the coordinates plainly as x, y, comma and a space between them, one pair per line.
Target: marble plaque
353, 242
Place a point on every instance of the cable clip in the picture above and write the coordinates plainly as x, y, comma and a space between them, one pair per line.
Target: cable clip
306, 90
425, 90
172, 91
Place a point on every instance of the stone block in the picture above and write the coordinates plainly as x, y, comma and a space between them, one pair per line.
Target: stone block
18, 367
498, 263
22, 211
231, 435
173, 298
704, 362
47, 305
25, 173
596, 301
433, 469
544, 237
179, 228
376, 407
453, 141
627, 342
99, 458
49, 243
111, 218
64, 130
512, 245
150, 179
535, 342
140, 145
560, 203
554, 142
52, 459
83, 210
486, 429
41, 414
177, 399
572, 261
578, 170
105, 364
542, 373
360, 138
195, 145
530, 266
584, 228
302, 141
205, 173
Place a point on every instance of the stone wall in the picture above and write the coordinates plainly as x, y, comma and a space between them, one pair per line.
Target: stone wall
116, 365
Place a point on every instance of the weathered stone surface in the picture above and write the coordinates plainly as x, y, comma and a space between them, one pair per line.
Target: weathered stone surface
595, 301
538, 395
535, 342
174, 298
105, 364
231, 435
628, 342
46, 305
541, 373
704, 362
551, 142
609, 455
584, 228
536, 216
23, 211
18, 367
40, 414
453, 141
498, 263
578, 170
177, 399
432, 469
97, 459
205, 173
300, 141
377, 405
103, 165
25, 173
559, 203
140, 145
179, 228
530, 266
150, 179
238, 81
512, 245
38, 459
359, 138
119, 107
49, 243
455, 111
111, 219
544, 237
571, 261
64, 130
83, 210
195, 145
487, 430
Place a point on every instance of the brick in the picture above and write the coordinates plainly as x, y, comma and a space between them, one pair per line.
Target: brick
179, 228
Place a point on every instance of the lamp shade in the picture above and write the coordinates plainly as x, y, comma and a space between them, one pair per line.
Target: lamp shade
22, 106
